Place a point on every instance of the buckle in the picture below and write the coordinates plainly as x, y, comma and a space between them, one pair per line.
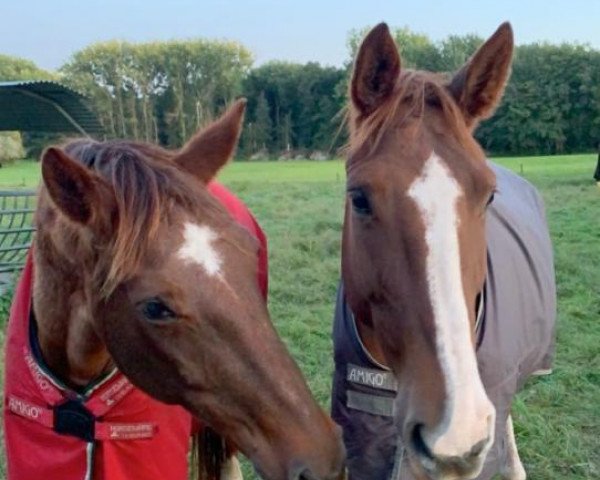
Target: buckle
72, 418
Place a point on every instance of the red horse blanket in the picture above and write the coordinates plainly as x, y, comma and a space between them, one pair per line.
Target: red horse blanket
128, 434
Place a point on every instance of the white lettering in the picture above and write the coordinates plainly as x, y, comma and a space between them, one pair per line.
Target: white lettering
23, 408
38, 376
366, 377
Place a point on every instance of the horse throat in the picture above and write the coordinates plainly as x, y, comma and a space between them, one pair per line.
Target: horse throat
368, 338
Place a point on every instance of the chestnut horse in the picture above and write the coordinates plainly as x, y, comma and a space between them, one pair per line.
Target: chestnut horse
436, 327
138, 267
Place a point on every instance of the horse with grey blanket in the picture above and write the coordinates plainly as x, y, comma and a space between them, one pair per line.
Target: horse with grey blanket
448, 301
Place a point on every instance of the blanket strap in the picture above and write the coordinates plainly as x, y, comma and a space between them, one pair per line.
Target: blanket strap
72, 418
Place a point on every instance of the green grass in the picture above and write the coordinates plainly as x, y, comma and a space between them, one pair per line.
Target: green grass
299, 204
20, 174
26, 173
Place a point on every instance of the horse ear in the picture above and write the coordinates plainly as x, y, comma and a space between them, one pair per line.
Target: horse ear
210, 149
376, 70
479, 84
78, 193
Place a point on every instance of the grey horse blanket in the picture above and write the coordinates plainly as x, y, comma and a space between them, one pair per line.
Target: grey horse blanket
515, 338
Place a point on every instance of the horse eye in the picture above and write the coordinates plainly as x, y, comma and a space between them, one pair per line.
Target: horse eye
490, 199
156, 311
360, 202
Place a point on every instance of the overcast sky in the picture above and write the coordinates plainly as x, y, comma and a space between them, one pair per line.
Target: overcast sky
49, 31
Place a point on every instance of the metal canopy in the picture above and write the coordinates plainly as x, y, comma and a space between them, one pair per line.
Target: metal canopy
45, 107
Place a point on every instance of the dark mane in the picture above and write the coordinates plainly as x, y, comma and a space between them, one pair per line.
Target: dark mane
146, 184
414, 90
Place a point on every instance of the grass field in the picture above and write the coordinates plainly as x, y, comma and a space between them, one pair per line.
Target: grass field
299, 204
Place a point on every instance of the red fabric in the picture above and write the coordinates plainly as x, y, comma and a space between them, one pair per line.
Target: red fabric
242, 215
36, 451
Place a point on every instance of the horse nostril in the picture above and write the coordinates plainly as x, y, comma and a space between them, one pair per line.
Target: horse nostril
479, 448
419, 444
306, 474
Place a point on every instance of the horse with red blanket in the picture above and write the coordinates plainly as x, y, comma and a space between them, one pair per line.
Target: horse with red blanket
142, 308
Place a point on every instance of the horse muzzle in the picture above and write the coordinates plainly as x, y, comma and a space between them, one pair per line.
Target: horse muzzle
455, 467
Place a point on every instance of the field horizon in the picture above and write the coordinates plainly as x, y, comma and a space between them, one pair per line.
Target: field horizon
26, 173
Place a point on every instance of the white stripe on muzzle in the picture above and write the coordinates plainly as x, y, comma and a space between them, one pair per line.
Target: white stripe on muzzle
469, 415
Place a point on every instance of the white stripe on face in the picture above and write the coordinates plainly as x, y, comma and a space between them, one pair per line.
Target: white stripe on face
469, 415
198, 247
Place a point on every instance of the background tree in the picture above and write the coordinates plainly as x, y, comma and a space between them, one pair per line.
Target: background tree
260, 130
551, 103
303, 104
160, 91
14, 68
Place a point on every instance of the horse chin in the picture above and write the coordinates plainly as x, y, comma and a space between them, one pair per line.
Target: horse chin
424, 468
271, 468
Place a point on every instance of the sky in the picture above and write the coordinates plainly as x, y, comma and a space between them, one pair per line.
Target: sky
50, 31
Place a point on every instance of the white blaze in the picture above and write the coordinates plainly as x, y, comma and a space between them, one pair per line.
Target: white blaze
469, 415
198, 247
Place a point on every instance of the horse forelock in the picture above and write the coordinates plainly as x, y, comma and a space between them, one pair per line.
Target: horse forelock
413, 92
146, 185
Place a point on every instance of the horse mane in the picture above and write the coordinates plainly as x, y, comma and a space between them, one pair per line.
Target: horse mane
413, 92
146, 183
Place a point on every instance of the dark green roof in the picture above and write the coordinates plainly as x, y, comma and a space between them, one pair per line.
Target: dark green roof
45, 107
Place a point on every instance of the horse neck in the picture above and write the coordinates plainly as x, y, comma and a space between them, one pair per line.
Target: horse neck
67, 338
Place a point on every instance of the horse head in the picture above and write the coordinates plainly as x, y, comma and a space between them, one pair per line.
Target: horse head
154, 276
414, 246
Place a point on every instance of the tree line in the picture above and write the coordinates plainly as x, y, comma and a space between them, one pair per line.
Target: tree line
163, 91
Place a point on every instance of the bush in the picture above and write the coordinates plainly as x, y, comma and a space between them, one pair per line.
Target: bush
11, 147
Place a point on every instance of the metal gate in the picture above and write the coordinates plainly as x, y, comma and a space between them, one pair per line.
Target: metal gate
16, 228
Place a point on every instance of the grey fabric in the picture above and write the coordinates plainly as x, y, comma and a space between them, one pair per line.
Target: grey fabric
516, 337
374, 404
370, 439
